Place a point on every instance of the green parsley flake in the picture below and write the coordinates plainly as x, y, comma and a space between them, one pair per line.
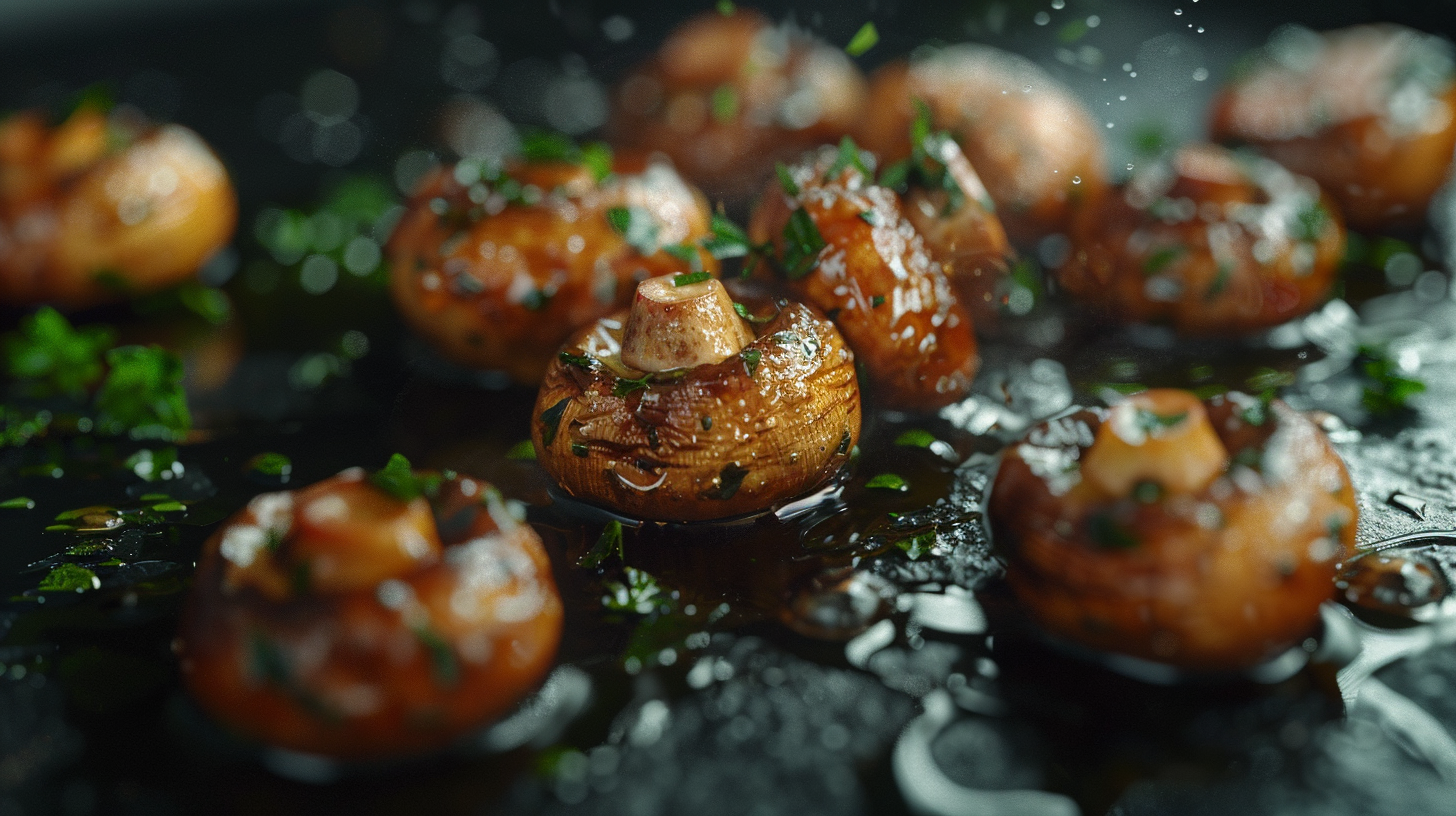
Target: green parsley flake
915, 438
863, 40
690, 279
608, 544
888, 481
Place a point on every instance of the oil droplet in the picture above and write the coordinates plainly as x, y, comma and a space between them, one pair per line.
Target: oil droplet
1076, 179
1178, 12
1059, 4
1200, 29
1041, 18
1122, 98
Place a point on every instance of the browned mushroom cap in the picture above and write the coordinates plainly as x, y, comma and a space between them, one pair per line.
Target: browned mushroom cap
727, 95
775, 420
1369, 112
335, 620
1034, 145
1199, 534
496, 274
94, 209
961, 228
845, 246
1212, 242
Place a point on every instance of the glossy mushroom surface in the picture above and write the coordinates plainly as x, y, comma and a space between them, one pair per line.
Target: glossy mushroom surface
345, 621
1369, 112
496, 272
728, 95
1201, 534
724, 437
845, 245
1211, 242
99, 208
1034, 145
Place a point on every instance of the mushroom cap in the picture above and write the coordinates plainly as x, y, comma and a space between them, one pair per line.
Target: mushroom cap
1210, 241
773, 422
1037, 149
386, 658
1368, 111
728, 95
879, 281
503, 288
84, 221
1218, 579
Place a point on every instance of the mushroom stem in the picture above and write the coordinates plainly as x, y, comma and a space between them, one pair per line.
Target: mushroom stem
1162, 436
672, 326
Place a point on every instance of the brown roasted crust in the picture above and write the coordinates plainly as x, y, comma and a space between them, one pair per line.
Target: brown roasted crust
92, 211
1039, 152
1370, 113
1219, 579
787, 91
882, 285
709, 442
1211, 242
502, 289
396, 665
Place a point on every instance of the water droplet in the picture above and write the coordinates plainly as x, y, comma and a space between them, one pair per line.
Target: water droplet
1133, 74
1413, 505
1129, 165
1109, 126
1127, 66
1026, 89
1122, 98
1041, 18
1076, 179
1200, 29
1059, 4
1178, 12
1200, 74
1094, 21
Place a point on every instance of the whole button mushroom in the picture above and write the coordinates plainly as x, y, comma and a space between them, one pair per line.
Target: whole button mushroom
844, 244
366, 617
1033, 143
497, 270
1210, 241
102, 207
1203, 534
728, 94
678, 411
1369, 112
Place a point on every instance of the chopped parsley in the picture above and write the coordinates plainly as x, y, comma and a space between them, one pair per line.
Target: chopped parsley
1160, 260
802, 245
637, 226
1387, 390
917, 545
728, 239
888, 481
608, 544
69, 578
52, 357
582, 361
724, 103
443, 664
690, 278
626, 386
786, 180
399, 480
271, 464
863, 40
142, 394
26, 503
522, 451
751, 359
747, 315
546, 146
1151, 421
849, 156
915, 438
